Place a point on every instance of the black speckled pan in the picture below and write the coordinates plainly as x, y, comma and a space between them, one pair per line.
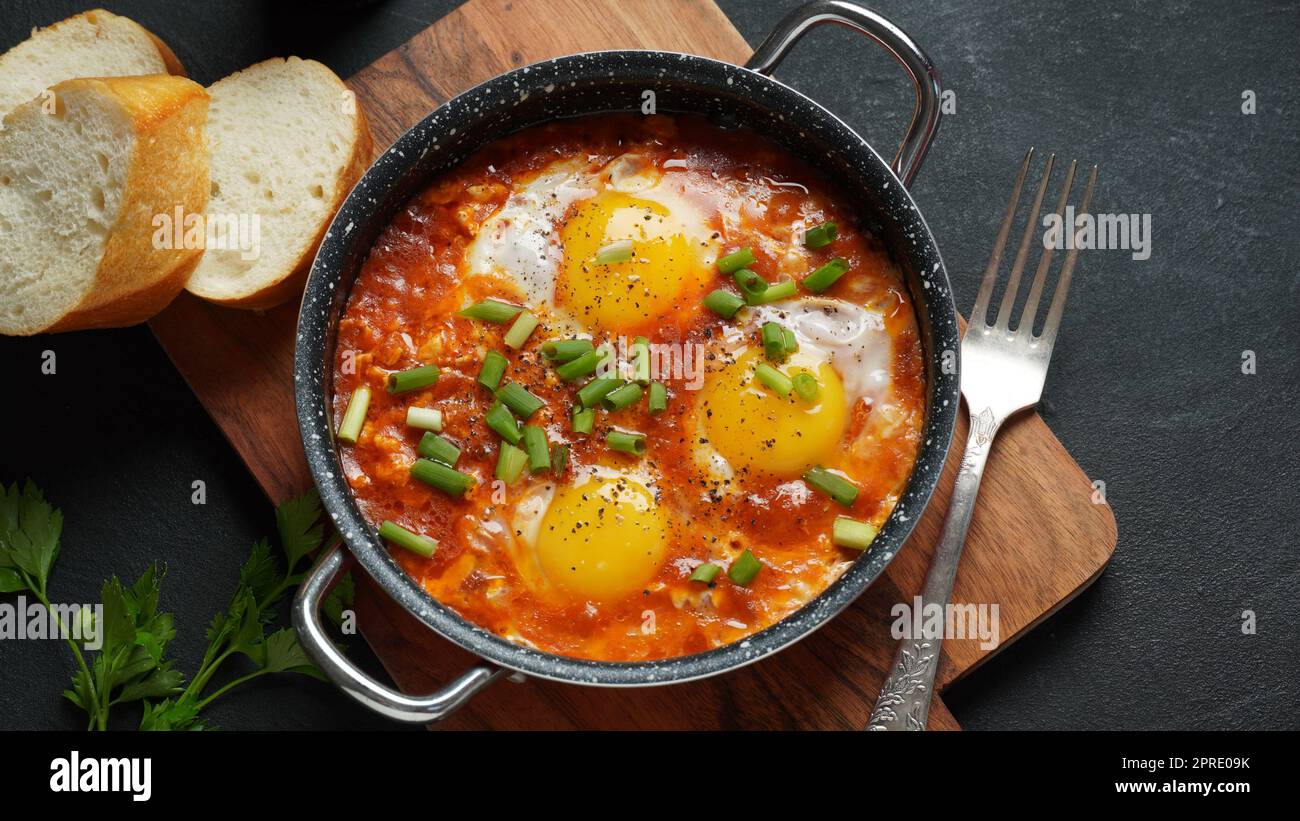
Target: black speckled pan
732, 96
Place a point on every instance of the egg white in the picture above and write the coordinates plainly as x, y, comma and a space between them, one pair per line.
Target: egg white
521, 243
852, 338
518, 241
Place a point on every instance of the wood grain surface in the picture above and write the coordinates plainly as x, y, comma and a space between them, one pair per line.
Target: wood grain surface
1036, 537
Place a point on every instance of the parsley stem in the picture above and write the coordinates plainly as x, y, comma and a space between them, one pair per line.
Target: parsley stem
231, 685
76, 651
206, 670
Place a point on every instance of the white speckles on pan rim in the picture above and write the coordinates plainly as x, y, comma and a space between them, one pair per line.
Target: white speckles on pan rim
591, 83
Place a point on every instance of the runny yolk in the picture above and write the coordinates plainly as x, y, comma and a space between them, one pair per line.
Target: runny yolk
755, 428
619, 295
602, 539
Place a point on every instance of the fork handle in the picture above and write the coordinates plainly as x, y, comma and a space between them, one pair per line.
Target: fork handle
904, 700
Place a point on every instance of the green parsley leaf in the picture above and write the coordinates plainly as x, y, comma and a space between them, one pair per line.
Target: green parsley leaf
29, 539
163, 681
301, 531
282, 653
261, 572
182, 714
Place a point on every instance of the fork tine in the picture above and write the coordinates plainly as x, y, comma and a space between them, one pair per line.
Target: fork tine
1053, 322
1030, 311
999, 245
1026, 239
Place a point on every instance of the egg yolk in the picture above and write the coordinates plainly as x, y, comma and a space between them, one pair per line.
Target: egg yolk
663, 268
756, 428
602, 539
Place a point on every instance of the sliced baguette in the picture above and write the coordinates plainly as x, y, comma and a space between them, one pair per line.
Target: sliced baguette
93, 44
288, 143
81, 184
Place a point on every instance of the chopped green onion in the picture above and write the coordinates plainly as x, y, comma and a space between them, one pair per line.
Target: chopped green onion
510, 463
833, 485
559, 458
706, 573
744, 568
584, 419
519, 332
535, 445
442, 477
658, 401
422, 377
438, 448
777, 291
424, 418
633, 443
355, 416
620, 251
597, 389
491, 310
583, 365
791, 344
773, 379
733, 262
773, 341
563, 350
517, 398
622, 396
723, 303
750, 284
494, 367
825, 276
848, 532
821, 236
807, 386
500, 419
641, 359
402, 537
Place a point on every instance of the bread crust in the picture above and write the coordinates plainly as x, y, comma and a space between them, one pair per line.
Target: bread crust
170, 61
290, 285
168, 169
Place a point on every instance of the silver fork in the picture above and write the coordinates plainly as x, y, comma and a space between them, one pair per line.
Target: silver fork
1002, 372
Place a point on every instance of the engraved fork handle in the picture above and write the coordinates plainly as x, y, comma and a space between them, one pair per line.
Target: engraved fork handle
904, 700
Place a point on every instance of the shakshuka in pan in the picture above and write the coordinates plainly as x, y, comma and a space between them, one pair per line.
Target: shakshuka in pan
628, 388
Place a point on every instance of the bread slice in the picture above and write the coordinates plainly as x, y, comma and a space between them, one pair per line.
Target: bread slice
288, 142
86, 181
93, 44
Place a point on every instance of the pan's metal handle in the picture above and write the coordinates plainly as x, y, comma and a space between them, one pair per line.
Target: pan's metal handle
383, 700
925, 77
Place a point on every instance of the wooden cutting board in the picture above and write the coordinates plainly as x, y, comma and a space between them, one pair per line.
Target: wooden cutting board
1036, 539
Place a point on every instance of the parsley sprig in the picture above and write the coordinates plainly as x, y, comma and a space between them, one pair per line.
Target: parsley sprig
131, 664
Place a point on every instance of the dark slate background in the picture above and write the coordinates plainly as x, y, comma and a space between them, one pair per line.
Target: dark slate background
1200, 461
